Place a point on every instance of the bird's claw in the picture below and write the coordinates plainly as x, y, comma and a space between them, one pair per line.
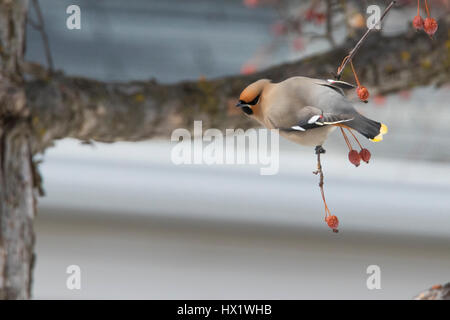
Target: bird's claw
320, 149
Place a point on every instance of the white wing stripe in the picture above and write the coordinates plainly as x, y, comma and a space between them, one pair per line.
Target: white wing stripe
314, 119
340, 121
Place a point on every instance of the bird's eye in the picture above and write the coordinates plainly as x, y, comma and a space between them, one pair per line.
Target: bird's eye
254, 101
247, 110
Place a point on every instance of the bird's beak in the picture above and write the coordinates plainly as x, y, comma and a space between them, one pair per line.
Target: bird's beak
242, 104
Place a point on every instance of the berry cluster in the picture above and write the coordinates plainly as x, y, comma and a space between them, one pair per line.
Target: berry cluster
429, 25
354, 156
290, 27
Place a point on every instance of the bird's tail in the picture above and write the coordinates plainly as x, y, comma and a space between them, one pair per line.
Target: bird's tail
371, 129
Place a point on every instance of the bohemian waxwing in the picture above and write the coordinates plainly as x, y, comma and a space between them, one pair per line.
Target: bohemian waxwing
306, 110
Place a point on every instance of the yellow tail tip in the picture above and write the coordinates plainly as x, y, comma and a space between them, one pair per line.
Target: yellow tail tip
383, 130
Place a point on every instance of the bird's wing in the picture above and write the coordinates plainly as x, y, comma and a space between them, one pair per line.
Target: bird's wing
305, 103
309, 118
338, 86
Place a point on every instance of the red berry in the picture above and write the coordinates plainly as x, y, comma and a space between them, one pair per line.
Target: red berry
278, 28
320, 18
365, 155
310, 14
418, 22
436, 287
298, 44
362, 93
248, 68
251, 3
354, 157
405, 94
333, 222
430, 26
379, 99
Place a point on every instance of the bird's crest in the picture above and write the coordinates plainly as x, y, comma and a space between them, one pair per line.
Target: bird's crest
252, 93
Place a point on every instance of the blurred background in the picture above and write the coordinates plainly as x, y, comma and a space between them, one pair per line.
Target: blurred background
141, 227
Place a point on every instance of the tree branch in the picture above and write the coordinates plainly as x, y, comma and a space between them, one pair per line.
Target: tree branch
85, 109
352, 53
17, 202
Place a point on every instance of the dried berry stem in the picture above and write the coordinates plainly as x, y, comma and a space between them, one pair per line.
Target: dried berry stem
426, 8
360, 42
342, 66
349, 145
349, 130
354, 73
319, 171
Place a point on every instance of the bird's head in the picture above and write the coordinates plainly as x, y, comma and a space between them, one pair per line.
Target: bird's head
250, 98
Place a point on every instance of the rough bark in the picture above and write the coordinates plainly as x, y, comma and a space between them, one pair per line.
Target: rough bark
17, 203
86, 109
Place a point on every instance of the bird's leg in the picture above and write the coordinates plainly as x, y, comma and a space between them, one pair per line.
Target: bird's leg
319, 171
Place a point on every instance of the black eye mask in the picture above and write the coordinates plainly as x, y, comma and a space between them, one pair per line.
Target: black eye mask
247, 110
254, 101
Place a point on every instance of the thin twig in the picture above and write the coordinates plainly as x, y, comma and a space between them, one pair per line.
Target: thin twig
347, 141
354, 73
356, 139
352, 53
426, 8
319, 171
40, 26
